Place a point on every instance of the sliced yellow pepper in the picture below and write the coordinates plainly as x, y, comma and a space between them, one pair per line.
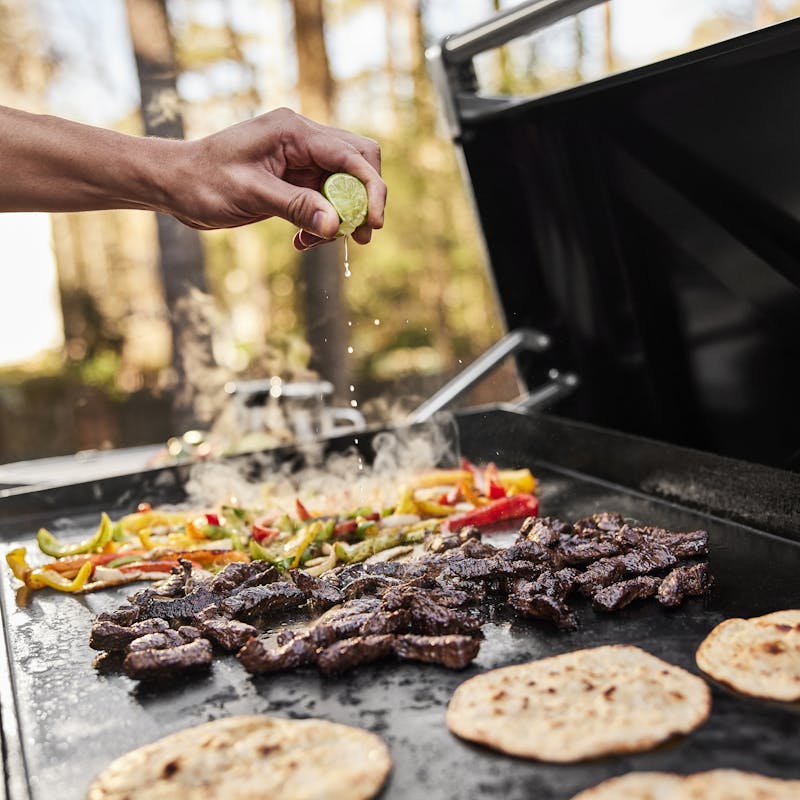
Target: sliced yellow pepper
517, 481
133, 523
441, 477
431, 509
310, 535
49, 545
407, 504
40, 577
144, 538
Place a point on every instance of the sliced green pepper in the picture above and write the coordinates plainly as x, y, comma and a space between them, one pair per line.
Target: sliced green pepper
49, 545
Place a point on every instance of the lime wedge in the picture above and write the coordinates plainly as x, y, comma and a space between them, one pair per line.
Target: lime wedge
348, 196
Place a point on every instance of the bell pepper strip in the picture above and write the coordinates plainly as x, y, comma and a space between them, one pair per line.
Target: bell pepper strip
310, 535
213, 519
494, 489
345, 528
70, 565
39, 577
264, 534
50, 546
517, 481
407, 504
144, 538
431, 509
143, 508
302, 512
441, 477
518, 505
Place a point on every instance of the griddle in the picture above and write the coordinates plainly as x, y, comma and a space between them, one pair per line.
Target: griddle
63, 721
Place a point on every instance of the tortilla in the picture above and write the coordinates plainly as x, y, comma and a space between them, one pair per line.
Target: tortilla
730, 784
588, 703
240, 758
759, 657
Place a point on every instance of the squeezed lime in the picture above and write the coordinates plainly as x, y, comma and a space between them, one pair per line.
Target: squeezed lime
348, 196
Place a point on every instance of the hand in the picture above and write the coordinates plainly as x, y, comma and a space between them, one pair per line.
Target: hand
273, 166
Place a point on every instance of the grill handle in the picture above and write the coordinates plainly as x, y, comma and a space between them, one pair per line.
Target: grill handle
460, 48
514, 342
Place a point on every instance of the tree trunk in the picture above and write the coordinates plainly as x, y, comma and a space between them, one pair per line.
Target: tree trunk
321, 269
181, 258
608, 38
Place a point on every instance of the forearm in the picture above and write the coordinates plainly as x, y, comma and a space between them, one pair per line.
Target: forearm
52, 164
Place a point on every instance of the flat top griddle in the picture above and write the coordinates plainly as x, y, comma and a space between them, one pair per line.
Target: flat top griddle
63, 721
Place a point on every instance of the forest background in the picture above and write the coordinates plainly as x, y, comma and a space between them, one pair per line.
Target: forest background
123, 328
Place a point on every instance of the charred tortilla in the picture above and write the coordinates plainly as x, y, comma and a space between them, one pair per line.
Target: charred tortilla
243, 757
717, 784
584, 704
758, 657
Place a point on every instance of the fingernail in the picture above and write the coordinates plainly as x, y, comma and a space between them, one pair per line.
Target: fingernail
317, 222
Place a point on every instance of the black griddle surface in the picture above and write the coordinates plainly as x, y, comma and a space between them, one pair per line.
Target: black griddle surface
73, 721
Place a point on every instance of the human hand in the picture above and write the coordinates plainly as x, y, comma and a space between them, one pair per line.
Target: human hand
272, 166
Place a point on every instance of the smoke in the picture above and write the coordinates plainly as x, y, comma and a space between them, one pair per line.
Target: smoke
333, 483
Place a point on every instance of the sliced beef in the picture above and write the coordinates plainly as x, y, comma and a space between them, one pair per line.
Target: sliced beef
239, 576
105, 635
229, 634
156, 641
441, 541
545, 598
601, 573
124, 615
368, 584
647, 559
321, 592
599, 524
454, 651
620, 594
349, 653
259, 600
147, 664
578, 550
683, 582
258, 656
546, 531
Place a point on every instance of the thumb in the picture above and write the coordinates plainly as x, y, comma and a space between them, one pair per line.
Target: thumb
309, 210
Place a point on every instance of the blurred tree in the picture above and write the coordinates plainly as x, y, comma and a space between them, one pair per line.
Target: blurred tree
321, 268
608, 38
181, 253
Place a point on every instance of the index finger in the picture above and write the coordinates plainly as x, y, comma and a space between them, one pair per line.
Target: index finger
337, 155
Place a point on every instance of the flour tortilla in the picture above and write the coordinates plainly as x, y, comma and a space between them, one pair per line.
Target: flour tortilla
759, 657
240, 758
616, 699
718, 784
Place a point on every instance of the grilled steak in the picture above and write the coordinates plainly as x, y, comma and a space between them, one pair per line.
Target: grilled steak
144, 664
430, 609
618, 595
683, 582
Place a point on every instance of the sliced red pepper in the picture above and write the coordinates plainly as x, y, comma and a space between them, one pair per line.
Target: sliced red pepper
144, 508
447, 499
494, 489
518, 505
151, 566
302, 512
263, 533
346, 527
213, 519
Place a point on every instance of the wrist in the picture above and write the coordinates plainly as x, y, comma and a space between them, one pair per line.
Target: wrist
160, 171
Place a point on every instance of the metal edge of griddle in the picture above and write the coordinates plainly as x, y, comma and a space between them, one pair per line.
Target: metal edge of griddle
756, 496
15, 784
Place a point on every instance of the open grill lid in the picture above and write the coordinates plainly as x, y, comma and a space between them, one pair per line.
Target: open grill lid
649, 224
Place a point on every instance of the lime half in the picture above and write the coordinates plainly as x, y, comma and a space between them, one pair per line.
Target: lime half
348, 196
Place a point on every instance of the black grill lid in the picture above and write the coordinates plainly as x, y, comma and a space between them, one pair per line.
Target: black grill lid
650, 224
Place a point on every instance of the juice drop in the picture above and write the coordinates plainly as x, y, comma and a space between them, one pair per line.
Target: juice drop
347, 272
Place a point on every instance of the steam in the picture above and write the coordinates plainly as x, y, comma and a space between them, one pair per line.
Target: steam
335, 483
